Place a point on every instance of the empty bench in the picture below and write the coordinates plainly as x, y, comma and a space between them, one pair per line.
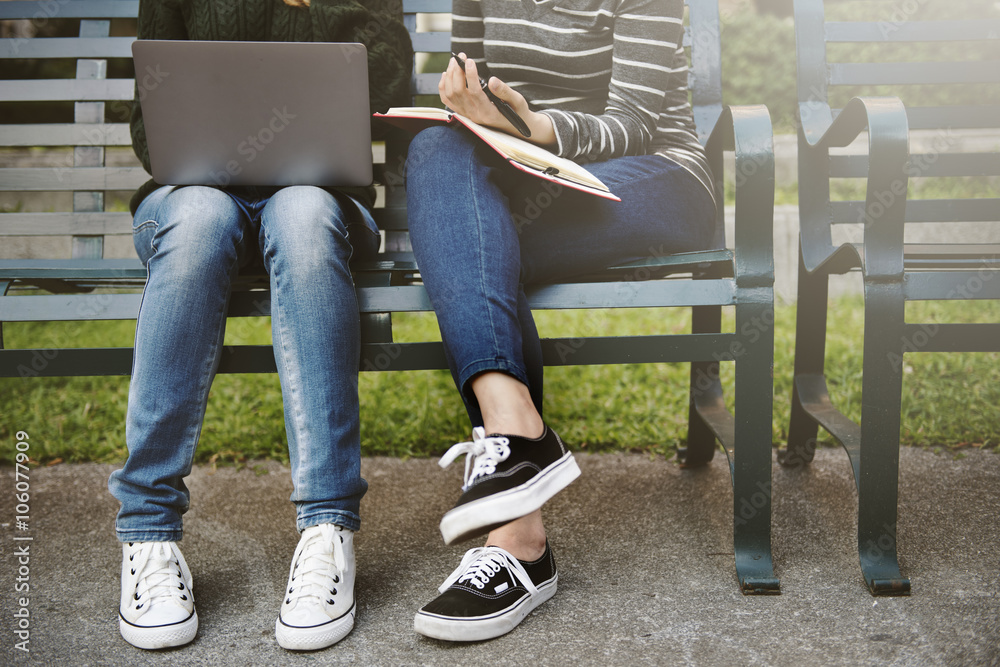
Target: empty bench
834, 55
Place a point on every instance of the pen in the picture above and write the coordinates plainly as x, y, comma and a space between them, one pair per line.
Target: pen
502, 106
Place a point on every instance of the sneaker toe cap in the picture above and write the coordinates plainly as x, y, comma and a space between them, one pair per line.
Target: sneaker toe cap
159, 615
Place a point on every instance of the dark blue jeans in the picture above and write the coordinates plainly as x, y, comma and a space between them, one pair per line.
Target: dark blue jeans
481, 230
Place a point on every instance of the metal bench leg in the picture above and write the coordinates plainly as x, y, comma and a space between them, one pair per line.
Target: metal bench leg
878, 464
752, 455
4, 286
810, 350
705, 393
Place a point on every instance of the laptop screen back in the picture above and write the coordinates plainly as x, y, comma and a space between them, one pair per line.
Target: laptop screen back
255, 113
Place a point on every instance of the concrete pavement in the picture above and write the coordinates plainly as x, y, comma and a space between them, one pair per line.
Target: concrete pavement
644, 549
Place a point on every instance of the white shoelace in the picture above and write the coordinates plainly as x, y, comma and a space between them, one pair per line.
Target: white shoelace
160, 578
479, 565
317, 570
481, 455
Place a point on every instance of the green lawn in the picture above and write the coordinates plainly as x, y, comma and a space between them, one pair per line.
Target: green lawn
949, 400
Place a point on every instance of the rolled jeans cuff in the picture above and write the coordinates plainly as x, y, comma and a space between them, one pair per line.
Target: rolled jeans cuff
466, 375
348, 520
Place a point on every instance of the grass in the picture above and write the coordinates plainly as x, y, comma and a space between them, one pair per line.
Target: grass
949, 400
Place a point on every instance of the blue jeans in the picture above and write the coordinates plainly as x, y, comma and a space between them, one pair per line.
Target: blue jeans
193, 241
481, 231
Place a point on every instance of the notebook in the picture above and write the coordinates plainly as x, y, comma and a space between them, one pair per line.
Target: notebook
255, 113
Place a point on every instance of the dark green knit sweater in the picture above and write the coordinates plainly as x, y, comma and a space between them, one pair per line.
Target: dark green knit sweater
378, 25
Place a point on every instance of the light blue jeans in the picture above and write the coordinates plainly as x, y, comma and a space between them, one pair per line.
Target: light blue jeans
481, 231
193, 241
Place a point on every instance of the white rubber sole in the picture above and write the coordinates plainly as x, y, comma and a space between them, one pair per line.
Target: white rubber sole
160, 636
479, 628
480, 516
320, 636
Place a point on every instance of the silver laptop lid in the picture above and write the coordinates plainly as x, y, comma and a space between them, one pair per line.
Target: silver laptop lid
255, 113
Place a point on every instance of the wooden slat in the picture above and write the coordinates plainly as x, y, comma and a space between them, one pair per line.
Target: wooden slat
67, 47
875, 74
60, 224
378, 356
427, 84
409, 298
926, 210
912, 31
73, 178
633, 294
953, 337
956, 118
979, 255
72, 268
73, 90
76, 134
426, 6
69, 9
923, 165
391, 219
69, 307
431, 42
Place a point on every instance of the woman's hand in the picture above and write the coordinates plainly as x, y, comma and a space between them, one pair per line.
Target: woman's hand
460, 92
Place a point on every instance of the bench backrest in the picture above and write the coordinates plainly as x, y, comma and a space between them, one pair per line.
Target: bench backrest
946, 72
75, 81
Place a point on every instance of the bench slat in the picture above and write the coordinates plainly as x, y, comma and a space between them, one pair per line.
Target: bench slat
426, 84
952, 285
956, 118
955, 337
406, 298
923, 165
431, 42
874, 74
64, 224
73, 178
69, 9
67, 90
427, 6
67, 47
925, 210
77, 134
912, 31
376, 356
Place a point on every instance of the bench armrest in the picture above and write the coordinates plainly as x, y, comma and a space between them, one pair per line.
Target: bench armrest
885, 201
747, 131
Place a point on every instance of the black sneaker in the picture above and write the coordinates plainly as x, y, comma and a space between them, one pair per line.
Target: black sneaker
487, 596
506, 477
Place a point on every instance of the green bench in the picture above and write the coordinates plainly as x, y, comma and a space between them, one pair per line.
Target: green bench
894, 271
89, 287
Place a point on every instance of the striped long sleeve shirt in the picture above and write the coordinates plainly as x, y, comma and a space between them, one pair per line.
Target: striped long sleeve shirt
611, 74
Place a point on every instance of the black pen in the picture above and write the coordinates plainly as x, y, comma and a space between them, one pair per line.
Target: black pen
502, 106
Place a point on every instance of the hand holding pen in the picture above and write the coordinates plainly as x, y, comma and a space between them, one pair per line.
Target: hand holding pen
464, 92
505, 109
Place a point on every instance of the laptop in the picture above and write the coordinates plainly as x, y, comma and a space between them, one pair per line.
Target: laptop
255, 113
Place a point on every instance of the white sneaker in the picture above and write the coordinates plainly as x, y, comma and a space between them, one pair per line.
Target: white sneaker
318, 610
157, 603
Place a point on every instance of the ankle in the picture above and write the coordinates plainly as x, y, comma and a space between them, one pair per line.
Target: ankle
522, 538
506, 406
